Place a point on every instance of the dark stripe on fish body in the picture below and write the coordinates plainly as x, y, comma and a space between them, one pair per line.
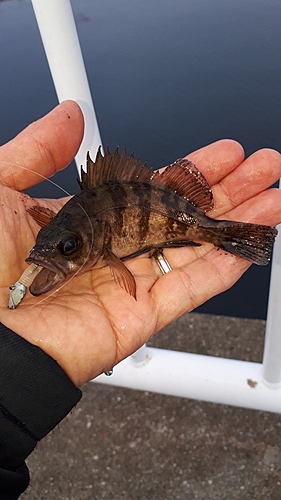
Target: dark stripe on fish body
117, 193
142, 192
170, 202
143, 197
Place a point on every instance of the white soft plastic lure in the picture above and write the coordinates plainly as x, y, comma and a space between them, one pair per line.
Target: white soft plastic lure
18, 289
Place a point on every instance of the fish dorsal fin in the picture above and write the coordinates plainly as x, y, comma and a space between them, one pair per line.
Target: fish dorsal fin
184, 178
114, 168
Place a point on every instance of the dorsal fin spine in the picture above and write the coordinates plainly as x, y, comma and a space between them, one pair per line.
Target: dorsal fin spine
182, 176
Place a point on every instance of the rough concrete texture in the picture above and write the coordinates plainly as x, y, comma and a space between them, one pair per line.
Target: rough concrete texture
122, 444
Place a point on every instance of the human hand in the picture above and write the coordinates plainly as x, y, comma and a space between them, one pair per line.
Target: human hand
91, 323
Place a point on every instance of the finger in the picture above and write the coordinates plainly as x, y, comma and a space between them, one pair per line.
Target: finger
254, 175
46, 146
265, 208
182, 290
218, 159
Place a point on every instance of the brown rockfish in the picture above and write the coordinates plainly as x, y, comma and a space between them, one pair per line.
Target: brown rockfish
125, 209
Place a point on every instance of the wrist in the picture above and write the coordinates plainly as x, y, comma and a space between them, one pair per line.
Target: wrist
36, 395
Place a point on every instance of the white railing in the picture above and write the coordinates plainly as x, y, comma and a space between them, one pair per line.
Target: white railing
58, 32
234, 382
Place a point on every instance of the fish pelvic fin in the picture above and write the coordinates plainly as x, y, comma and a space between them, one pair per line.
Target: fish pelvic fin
252, 242
121, 274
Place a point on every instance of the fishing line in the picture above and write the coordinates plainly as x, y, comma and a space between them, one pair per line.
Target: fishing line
39, 175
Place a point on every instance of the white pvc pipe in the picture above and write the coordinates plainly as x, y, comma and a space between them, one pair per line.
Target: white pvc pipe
140, 355
272, 350
195, 376
58, 31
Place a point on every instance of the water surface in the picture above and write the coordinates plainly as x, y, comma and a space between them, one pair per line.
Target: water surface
167, 77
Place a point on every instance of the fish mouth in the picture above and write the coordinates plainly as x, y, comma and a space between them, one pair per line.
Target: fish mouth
49, 276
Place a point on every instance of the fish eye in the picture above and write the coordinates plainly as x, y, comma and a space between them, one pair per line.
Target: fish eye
68, 245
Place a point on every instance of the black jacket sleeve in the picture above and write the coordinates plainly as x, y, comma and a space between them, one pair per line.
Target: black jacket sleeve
35, 395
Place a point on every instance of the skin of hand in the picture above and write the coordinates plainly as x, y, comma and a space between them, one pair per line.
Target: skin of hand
91, 324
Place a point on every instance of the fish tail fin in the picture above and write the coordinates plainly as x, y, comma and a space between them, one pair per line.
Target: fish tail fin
252, 242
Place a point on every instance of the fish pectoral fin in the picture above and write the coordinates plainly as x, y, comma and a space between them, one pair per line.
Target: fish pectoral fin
121, 274
41, 215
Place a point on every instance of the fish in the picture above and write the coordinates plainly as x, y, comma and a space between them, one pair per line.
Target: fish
125, 209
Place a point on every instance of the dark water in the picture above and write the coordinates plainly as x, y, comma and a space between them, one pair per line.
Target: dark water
167, 77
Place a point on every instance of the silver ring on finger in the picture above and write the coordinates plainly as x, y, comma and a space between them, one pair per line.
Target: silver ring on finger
162, 262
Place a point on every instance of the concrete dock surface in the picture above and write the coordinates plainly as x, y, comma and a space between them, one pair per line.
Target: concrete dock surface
130, 445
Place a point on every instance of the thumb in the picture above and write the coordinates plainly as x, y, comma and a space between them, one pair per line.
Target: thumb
46, 146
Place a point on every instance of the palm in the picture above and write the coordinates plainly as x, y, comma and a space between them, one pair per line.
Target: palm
87, 312
90, 324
